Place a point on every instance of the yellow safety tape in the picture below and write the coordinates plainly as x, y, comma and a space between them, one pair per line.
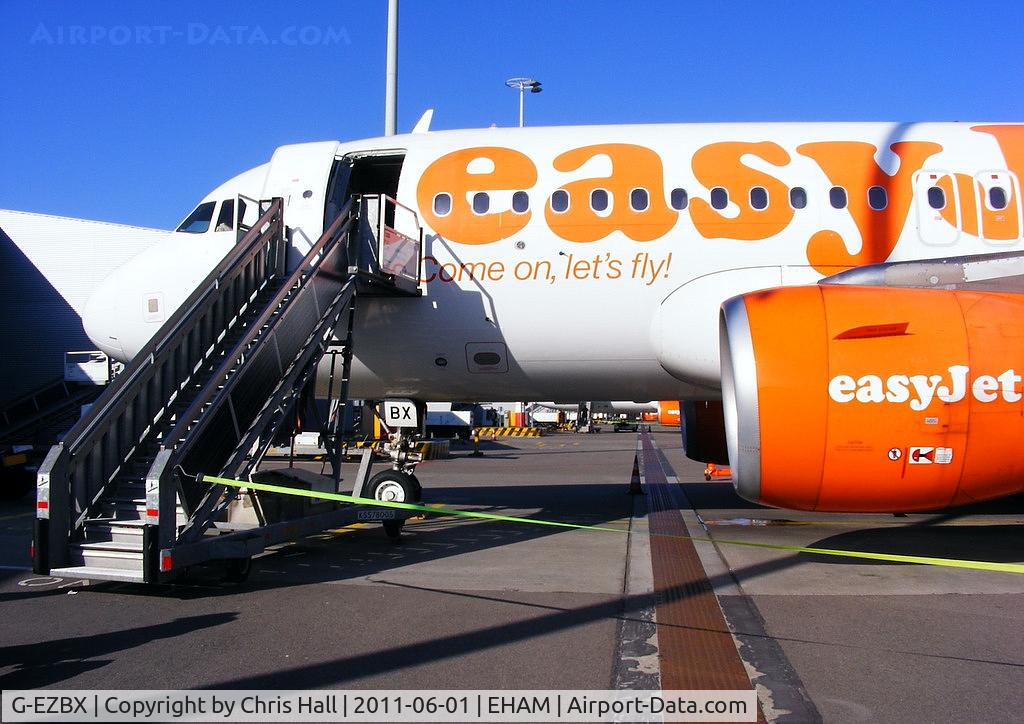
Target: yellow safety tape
507, 431
890, 557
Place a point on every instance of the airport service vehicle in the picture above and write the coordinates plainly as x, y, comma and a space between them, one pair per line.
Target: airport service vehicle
713, 472
837, 305
453, 419
546, 418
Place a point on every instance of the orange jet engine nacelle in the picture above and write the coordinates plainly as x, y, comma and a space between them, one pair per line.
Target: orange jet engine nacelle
668, 413
845, 398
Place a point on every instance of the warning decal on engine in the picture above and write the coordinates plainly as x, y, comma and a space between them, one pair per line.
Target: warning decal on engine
930, 456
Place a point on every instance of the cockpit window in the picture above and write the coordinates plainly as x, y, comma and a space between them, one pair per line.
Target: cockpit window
198, 222
226, 217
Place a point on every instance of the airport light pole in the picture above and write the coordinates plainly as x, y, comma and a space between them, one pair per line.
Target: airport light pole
523, 84
391, 72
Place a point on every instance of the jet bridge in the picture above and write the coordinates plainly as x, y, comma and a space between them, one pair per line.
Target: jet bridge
118, 498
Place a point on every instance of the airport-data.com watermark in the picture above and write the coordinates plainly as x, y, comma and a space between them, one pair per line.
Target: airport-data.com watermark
199, 34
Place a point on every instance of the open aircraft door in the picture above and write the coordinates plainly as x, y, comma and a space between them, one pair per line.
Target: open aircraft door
298, 174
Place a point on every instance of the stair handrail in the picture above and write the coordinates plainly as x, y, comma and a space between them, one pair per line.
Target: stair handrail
175, 447
335, 233
157, 347
140, 395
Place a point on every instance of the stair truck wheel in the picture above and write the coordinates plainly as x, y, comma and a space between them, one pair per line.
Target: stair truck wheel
238, 569
394, 487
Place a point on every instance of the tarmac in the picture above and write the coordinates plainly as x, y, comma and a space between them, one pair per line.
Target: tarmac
465, 604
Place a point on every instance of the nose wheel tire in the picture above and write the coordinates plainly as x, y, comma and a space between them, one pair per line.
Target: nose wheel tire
393, 486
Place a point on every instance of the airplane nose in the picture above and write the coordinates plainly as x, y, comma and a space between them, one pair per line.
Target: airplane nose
130, 305
100, 318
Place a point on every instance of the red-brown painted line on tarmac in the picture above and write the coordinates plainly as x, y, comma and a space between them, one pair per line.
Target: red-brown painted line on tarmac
695, 645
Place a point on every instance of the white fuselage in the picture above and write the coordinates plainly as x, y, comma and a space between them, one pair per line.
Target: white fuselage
571, 251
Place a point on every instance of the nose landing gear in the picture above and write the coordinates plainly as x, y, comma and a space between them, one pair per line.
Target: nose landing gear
394, 486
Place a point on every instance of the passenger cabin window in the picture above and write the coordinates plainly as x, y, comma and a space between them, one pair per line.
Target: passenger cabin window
560, 201
719, 198
599, 200
481, 203
936, 198
679, 199
198, 222
997, 198
520, 202
878, 199
837, 197
639, 200
442, 204
798, 197
759, 198
226, 217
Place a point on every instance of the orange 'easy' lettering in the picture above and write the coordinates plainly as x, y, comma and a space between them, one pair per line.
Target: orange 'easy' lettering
633, 167
720, 164
1011, 142
511, 170
851, 164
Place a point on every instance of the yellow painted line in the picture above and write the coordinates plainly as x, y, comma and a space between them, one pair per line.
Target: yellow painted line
889, 557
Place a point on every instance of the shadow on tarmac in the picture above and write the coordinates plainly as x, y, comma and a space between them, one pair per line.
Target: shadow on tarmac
996, 543
343, 669
364, 549
50, 662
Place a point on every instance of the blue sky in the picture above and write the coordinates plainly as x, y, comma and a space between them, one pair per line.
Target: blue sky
130, 112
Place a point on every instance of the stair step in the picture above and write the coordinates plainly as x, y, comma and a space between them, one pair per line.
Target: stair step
96, 573
111, 545
134, 484
122, 532
133, 496
99, 523
129, 482
118, 516
105, 558
129, 516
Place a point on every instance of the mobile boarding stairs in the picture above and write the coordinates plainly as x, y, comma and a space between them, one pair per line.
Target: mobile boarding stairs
120, 497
